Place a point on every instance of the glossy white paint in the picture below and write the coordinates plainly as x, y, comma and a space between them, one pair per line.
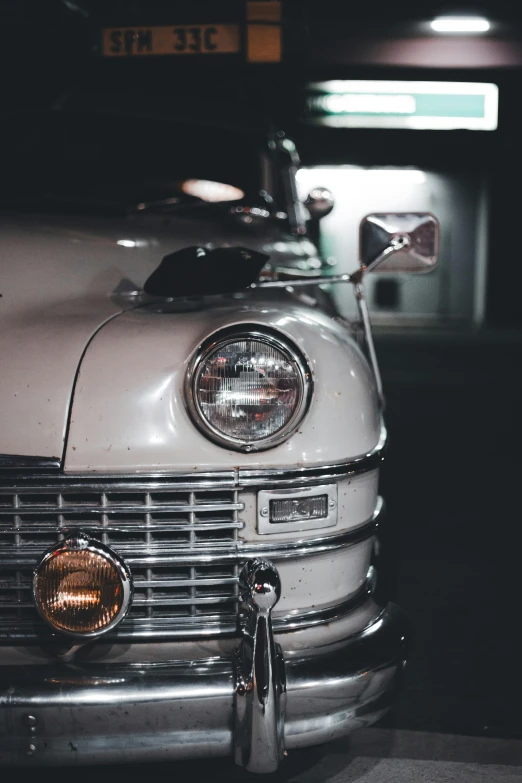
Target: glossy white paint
323, 580
356, 502
129, 411
59, 282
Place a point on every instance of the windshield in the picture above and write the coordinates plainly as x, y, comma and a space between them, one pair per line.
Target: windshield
63, 161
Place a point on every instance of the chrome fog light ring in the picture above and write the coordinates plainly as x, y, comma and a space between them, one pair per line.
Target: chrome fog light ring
95, 555
253, 334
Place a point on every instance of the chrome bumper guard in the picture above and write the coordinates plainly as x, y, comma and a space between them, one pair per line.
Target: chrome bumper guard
254, 707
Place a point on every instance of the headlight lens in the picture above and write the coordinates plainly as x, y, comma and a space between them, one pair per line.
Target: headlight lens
81, 587
250, 390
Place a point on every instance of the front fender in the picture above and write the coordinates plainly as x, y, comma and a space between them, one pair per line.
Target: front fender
129, 412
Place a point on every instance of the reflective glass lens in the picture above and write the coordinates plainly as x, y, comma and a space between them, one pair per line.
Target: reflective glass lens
78, 591
299, 509
249, 389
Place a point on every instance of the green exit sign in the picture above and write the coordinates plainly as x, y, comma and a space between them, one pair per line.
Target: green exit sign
413, 105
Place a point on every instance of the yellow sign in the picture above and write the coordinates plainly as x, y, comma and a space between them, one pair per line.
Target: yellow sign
263, 43
171, 40
263, 11
264, 34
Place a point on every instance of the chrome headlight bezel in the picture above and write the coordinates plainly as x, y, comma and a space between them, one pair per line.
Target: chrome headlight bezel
271, 338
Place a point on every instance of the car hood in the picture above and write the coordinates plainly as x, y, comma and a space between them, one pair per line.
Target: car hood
61, 279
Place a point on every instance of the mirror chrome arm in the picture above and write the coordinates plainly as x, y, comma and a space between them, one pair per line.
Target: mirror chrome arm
365, 318
260, 674
356, 280
399, 242
303, 281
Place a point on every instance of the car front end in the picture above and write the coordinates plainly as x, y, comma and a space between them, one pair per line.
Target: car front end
187, 547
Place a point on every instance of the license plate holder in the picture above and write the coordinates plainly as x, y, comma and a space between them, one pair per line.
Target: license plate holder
174, 40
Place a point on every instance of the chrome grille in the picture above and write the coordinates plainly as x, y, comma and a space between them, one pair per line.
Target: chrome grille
179, 540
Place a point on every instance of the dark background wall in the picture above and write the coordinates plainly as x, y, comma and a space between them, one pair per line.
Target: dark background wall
48, 50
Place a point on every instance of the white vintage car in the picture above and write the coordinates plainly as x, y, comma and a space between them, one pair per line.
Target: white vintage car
190, 449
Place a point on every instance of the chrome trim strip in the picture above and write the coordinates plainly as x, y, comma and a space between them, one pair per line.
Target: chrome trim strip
275, 477
171, 527
327, 614
232, 599
271, 337
133, 482
117, 509
143, 583
133, 630
315, 546
22, 462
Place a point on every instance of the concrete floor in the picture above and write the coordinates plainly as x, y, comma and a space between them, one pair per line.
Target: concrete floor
370, 756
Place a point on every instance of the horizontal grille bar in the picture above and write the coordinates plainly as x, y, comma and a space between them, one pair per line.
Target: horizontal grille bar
204, 626
223, 599
126, 528
118, 509
141, 583
155, 556
193, 482
145, 602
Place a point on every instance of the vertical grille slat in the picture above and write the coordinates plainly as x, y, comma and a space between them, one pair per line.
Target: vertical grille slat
181, 544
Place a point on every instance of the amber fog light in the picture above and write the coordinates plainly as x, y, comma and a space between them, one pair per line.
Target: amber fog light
81, 587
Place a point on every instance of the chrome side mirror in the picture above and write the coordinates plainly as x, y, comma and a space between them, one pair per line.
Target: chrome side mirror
319, 203
401, 242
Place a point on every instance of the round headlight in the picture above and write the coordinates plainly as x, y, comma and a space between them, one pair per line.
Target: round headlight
248, 390
81, 587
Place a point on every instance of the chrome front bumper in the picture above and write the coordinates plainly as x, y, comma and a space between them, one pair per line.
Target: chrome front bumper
97, 713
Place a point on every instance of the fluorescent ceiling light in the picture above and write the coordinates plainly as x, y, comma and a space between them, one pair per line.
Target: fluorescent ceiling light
464, 24
403, 104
